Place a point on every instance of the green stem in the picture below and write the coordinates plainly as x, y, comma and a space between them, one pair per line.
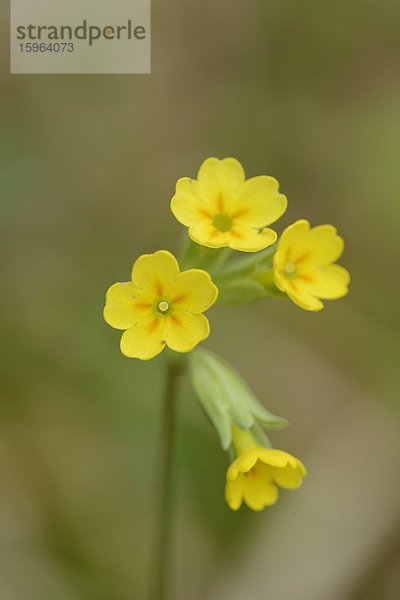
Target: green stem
160, 567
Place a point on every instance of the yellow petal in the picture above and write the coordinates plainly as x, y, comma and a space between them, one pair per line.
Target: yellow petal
298, 289
248, 240
307, 247
188, 205
218, 177
246, 461
194, 291
185, 330
318, 246
330, 282
325, 244
233, 471
259, 491
276, 458
294, 234
258, 202
145, 339
291, 241
277, 272
125, 305
243, 463
155, 273
234, 493
288, 478
278, 277
305, 300
208, 235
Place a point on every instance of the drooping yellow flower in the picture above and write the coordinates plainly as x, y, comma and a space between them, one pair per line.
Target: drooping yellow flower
257, 472
222, 208
303, 265
160, 306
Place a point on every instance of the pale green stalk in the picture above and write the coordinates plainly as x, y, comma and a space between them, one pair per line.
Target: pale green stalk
160, 568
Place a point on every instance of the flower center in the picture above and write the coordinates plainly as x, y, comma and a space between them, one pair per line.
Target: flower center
290, 270
222, 222
163, 306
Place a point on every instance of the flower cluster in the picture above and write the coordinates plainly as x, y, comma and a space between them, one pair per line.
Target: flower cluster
162, 306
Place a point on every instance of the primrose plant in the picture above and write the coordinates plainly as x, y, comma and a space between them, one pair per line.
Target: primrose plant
231, 255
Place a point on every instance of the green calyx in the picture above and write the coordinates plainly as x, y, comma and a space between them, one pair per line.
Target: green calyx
225, 397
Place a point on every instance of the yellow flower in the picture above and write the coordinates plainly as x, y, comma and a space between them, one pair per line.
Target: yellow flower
160, 306
222, 208
303, 265
257, 471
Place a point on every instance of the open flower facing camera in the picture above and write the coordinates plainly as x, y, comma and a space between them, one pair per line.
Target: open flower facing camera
160, 306
231, 256
222, 208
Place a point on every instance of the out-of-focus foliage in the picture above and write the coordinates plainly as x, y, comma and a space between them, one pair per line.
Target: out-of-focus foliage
309, 93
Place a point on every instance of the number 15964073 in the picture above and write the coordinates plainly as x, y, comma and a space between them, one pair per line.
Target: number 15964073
57, 47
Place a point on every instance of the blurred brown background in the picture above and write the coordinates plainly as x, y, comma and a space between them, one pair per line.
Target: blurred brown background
307, 92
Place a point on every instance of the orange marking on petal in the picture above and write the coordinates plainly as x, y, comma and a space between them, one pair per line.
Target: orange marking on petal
179, 298
236, 234
175, 320
153, 325
220, 203
293, 286
205, 213
241, 212
142, 305
158, 286
214, 232
306, 278
303, 257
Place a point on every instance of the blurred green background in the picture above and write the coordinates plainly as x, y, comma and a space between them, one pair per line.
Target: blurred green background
307, 92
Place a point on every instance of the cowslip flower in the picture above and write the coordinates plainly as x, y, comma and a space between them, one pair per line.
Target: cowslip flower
256, 473
223, 209
160, 307
303, 265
